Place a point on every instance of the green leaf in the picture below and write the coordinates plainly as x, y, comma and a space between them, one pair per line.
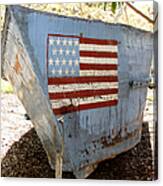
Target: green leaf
105, 4
113, 6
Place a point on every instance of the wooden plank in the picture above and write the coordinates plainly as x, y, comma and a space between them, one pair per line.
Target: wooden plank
19, 71
58, 165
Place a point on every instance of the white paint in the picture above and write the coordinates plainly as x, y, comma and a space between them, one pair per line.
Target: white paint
78, 101
98, 72
99, 48
93, 60
84, 86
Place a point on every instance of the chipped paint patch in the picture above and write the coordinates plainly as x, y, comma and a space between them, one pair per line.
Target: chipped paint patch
17, 66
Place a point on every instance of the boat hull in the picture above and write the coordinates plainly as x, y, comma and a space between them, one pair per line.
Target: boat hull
92, 135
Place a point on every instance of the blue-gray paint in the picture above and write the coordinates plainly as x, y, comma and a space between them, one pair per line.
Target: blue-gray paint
134, 58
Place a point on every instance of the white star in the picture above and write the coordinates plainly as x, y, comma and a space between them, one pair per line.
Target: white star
76, 43
76, 62
67, 52
51, 41
60, 71
64, 42
70, 62
73, 52
58, 41
50, 61
70, 42
53, 71
57, 61
63, 61
61, 51
54, 51
66, 71
72, 71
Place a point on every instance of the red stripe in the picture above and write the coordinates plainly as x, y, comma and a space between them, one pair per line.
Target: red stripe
84, 66
82, 93
97, 41
71, 108
98, 54
83, 79
61, 35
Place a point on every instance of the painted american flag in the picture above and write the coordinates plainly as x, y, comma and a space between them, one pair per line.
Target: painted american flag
82, 73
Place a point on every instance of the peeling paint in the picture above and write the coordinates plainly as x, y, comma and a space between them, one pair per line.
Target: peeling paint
17, 66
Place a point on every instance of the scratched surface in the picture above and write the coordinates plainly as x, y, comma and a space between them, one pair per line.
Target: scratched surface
91, 136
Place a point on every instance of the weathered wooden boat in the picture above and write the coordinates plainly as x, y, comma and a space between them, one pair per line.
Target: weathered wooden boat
83, 83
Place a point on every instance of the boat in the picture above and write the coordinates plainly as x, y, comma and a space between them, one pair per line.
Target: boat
82, 82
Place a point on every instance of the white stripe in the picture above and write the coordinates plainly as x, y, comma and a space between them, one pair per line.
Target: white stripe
84, 86
93, 60
79, 101
98, 73
100, 48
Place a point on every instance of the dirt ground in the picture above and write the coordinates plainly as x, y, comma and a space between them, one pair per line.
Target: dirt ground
22, 154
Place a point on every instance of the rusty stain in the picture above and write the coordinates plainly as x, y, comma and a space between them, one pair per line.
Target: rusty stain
17, 66
105, 144
117, 140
